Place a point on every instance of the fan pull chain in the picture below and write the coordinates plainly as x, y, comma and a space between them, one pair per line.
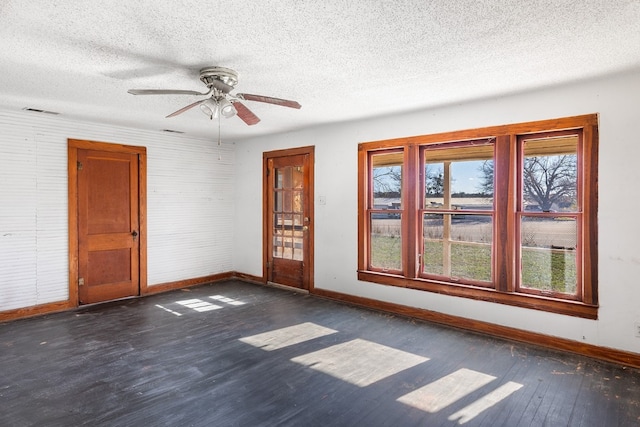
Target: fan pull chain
219, 139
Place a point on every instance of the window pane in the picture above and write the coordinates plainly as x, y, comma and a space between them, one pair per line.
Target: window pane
472, 177
297, 247
466, 178
288, 248
386, 243
459, 175
548, 254
278, 202
458, 246
277, 241
298, 234
387, 180
286, 197
297, 176
281, 177
550, 175
277, 250
297, 201
434, 183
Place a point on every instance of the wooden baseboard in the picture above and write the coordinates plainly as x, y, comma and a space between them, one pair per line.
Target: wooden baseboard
248, 278
286, 287
180, 284
35, 310
54, 307
596, 352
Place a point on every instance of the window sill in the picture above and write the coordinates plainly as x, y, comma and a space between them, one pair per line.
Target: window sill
535, 302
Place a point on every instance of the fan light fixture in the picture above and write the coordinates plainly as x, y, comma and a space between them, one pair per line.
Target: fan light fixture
215, 108
226, 108
210, 108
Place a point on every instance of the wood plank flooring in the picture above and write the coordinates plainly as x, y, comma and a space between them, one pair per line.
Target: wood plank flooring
237, 354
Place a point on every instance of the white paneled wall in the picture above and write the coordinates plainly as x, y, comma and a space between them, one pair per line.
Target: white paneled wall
51, 218
18, 218
192, 229
190, 204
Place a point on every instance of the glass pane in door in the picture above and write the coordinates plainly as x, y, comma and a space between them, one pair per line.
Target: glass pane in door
288, 221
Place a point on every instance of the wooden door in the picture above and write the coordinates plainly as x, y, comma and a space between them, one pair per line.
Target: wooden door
108, 225
288, 217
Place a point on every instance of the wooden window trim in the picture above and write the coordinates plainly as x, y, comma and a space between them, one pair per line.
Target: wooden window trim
578, 214
505, 205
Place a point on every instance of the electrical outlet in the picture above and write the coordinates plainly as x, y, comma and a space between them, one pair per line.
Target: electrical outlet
637, 329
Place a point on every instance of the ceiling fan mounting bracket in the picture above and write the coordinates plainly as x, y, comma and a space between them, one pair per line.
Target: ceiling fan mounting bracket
210, 75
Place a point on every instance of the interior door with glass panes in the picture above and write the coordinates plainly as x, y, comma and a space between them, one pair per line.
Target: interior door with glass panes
288, 219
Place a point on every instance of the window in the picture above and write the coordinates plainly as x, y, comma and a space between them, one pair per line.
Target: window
456, 214
548, 215
505, 214
385, 215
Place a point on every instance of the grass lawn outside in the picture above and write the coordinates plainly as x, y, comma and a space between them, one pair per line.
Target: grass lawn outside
544, 269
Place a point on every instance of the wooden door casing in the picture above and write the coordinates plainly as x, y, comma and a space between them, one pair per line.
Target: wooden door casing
288, 217
107, 221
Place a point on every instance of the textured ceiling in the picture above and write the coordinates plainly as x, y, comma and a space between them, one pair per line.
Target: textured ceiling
342, 60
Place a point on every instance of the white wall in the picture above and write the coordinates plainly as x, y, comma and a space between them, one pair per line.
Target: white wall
616, 99
189, 205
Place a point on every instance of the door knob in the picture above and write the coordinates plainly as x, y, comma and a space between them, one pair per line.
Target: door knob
134, 234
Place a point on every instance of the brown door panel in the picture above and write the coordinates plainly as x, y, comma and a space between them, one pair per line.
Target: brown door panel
108, 225
287, 272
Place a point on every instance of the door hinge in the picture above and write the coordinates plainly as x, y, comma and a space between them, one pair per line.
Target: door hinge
268, 171
81, 281
79, 166
268, 265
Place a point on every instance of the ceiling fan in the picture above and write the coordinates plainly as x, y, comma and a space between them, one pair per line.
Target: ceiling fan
220, 102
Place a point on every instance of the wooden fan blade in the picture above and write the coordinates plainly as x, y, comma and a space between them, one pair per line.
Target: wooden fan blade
245, 114
164, 92
188, 107
269, 100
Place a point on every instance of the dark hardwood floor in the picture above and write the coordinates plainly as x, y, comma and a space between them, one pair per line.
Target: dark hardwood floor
237, 354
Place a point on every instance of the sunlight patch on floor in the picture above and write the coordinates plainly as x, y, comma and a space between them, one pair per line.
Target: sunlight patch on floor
168, 310
285, 337
360, 362
227, 300
446, 390
198, 305
471, 411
